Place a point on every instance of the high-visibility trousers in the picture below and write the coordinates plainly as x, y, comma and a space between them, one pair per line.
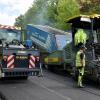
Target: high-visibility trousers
81, 71
80, 75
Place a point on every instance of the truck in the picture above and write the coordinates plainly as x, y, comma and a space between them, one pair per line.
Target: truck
15, 59
56, 59
90, 24
41, 37
51, 41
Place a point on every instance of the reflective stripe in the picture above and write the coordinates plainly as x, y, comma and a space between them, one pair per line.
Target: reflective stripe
32, 62
9, 27
32, 58
10, 61
10, 57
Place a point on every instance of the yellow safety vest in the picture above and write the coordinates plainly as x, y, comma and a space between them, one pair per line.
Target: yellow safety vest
78, 60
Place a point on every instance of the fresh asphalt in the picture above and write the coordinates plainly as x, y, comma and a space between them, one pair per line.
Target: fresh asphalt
49, 87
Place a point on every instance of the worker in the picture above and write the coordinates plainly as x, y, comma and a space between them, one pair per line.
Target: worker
80, 64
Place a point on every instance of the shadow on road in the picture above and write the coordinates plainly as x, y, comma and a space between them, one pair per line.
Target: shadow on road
14, 80
2, 97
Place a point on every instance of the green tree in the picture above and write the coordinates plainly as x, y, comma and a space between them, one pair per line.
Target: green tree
41, 12
89, 6
19, 21
36, 13
66, 9
50, 12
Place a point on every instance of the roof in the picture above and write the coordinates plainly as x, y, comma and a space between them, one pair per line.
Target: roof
84, 21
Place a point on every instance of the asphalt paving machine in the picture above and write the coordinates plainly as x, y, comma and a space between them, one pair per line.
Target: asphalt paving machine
90, 24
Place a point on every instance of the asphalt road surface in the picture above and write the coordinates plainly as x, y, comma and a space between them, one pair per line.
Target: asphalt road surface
50, 87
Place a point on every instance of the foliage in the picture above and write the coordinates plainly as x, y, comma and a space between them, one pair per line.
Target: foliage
55, 12
89, 6
49, 12
66, 9
19, 21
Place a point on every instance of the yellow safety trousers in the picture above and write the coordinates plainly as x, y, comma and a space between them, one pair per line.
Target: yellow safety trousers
80, 76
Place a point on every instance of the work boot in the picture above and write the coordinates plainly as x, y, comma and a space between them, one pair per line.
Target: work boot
80, 85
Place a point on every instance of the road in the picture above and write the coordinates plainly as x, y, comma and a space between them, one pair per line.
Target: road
50, 87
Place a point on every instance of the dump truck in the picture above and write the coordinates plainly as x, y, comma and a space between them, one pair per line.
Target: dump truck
15, 59
90, 24
41, 37
56, 59
50, 41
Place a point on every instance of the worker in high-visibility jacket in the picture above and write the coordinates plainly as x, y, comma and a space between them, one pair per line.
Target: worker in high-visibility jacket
80, 64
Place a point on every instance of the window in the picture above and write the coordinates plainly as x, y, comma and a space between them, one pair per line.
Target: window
9, 34
62, 40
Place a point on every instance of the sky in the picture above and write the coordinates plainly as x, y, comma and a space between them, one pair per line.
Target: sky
11, 9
